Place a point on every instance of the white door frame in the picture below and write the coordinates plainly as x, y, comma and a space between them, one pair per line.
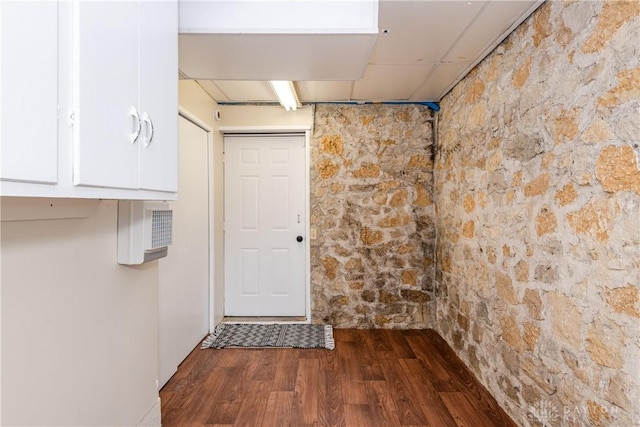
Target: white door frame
195, 120
230, 130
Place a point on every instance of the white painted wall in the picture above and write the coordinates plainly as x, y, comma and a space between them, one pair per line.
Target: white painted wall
196, 101
79, 331
265, 115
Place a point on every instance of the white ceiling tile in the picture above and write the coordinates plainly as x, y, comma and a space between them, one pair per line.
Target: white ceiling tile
442, 77
213, 90
420, 31
275, 56
492, 23
430, 45
390, 82
310, 91
246, 91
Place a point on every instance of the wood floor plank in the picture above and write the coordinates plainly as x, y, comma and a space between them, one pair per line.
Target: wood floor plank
399, 344
369, 365
463, 411
352, 382
254, 405
473, 390
432, 406
409, 411
197, 405
278, 411
233, 393
378, 339
225, 403
430, 357
382, 403
305, 404
372, 378
267, 366
330, 393
286, 369
359, 415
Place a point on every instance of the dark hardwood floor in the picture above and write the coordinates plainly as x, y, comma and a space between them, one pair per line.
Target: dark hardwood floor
372, 378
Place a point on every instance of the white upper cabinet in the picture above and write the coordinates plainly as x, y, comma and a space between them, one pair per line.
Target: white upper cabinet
29, 88
159, 95
107, 72
125, 92
105, 94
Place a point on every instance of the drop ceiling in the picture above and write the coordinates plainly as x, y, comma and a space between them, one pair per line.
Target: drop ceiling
422, 49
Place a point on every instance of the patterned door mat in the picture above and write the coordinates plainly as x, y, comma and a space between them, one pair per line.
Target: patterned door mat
270, 335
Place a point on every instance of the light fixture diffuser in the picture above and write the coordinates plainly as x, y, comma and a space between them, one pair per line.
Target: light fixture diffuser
286, 94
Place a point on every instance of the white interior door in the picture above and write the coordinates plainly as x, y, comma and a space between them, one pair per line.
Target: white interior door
265, 225
184, 273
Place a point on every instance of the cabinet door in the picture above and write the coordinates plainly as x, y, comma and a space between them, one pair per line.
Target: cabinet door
159, 95
105, 93
29, 88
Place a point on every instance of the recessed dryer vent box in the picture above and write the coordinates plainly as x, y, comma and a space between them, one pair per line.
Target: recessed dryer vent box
144, 231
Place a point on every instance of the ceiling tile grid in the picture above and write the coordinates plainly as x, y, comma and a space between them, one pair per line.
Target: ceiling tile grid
422, 49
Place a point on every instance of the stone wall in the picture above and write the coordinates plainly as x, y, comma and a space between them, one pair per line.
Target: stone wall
371, 204
538, 199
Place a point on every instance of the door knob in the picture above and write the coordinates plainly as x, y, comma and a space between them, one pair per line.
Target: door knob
299, 238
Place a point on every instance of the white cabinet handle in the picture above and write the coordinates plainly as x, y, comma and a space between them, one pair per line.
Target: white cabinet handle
147, 120
138, 126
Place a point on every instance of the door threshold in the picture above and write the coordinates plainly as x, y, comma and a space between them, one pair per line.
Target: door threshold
262, 319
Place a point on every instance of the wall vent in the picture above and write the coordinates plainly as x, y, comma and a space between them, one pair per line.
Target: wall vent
144, 231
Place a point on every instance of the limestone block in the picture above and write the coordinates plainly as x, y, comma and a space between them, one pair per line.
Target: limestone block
521, 74
566, 318
546, 273
531, 334
605, 341
576, 366
537, 186
628, 127
546, 221
595, 219
332, 144
370, 237
624, 300
367, 170
326, 169
511, 333
598, 132
598, 415
612, 16
330, 265
468, 229
521, 271
540, 375
567, 195
566, 125
628, 87
619, 390
541, 25
410, 277
504, 288
617, 169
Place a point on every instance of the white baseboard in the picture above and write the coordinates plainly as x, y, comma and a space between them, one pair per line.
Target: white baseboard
153, 417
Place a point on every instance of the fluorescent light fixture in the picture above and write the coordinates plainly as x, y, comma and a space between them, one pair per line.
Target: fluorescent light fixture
286, 94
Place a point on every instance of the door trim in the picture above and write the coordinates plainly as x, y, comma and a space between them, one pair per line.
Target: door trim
186, 114
230, 130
